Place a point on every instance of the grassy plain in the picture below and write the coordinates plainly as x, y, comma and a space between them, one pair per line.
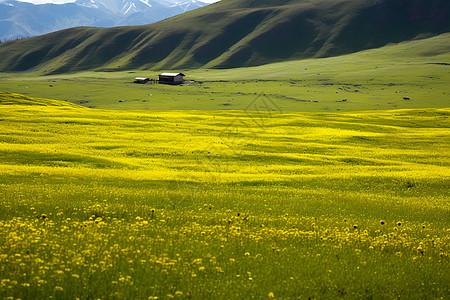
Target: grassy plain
104, 204
377, 79
250, 183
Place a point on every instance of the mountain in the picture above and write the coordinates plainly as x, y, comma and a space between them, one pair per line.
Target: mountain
140, 12
233, 33
20, 19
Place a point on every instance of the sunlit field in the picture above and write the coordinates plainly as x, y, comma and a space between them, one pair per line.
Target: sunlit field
264, 204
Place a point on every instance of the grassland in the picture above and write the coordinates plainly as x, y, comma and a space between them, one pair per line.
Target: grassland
377, 79
104, 204
249, 183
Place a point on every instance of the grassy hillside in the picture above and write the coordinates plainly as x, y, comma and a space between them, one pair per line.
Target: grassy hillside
232, 33
231, 205
377, 79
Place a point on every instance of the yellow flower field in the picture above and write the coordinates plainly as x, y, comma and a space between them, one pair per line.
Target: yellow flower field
98, 204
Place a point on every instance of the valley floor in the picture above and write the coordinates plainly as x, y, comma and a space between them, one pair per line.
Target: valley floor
408, 75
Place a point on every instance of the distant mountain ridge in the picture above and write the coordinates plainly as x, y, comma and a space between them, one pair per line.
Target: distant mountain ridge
233, 33
21, 19
130, 7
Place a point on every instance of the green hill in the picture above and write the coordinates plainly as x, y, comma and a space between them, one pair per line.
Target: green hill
232, 33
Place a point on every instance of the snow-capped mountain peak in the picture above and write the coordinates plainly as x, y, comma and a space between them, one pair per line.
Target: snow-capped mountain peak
21, 19
146, 2
188, 5
127, 7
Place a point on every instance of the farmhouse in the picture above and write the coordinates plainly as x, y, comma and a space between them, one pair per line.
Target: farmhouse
171, 78
141, 80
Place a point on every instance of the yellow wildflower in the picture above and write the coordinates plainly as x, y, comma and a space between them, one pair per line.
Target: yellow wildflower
58, 289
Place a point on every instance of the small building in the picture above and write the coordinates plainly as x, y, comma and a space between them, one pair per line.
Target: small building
171, 78
141, 80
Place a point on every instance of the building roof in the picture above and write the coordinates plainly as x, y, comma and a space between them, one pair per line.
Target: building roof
171, 74
141, 78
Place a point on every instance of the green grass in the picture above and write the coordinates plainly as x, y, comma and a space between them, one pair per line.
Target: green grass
376, 79
104, 204
176, 195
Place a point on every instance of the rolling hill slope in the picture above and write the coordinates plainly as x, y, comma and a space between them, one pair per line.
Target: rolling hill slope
232, 33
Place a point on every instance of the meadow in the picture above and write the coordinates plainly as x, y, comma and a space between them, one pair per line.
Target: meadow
313, 179
377, 79
256, 203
